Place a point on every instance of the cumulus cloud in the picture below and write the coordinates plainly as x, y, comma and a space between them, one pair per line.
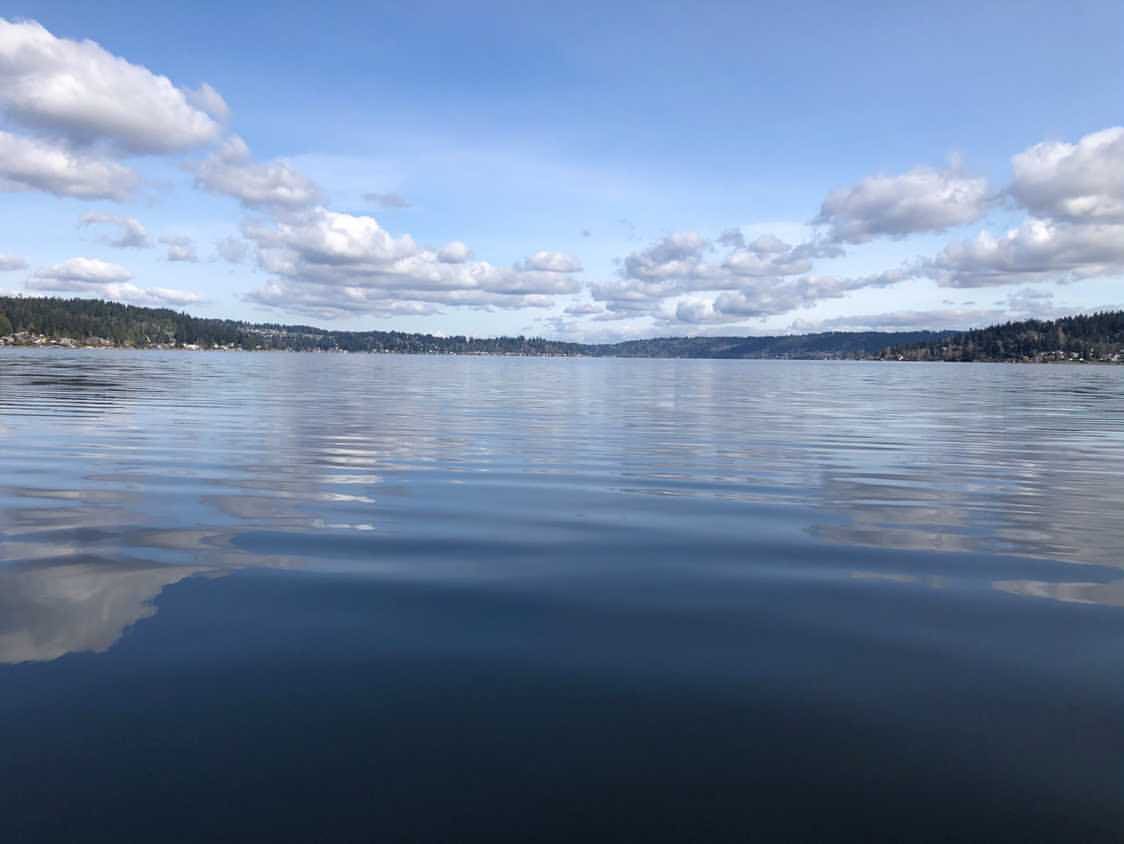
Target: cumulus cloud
37, 164
107, 281
768, 244
553, 262
700, 312
150, 296
77, 91
734, 238
1081, 182
329, 302
233, 250
232, 171
322, 259
180, 248
388, 200
681, 263
677, 255
11, 263
772, 297
207, 99
85, 108
920, 200
130, 233
765, 264
682, 257
634, 297
82, 271
455, 252
1036, 251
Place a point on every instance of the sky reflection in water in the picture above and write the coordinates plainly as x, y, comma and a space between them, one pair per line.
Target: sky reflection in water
890, 545
194, 459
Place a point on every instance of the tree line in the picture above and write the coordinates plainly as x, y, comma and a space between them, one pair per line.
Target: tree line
1091, 337
1097, 336
133, 326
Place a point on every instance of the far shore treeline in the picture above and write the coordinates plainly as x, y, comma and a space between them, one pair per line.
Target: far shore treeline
93, 322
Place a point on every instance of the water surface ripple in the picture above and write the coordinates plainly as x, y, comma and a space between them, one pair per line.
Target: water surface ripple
518, 598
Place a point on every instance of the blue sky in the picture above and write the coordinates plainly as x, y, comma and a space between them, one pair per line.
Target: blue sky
572, 171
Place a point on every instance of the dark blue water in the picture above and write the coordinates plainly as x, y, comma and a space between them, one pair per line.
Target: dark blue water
377, 598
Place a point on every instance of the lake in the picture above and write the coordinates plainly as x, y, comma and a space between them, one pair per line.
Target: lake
386, 598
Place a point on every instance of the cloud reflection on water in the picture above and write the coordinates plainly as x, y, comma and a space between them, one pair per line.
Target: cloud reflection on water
384, 463
51, 609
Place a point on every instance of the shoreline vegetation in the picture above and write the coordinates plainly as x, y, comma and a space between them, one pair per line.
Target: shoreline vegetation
98, 324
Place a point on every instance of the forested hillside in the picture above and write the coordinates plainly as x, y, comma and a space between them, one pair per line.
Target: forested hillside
1096, 337
91, 320
30, 320
127, 325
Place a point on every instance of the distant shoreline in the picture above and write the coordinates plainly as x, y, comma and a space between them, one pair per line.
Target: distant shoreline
33, 322
44, 342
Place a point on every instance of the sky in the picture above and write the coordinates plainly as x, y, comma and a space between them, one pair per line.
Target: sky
577, 171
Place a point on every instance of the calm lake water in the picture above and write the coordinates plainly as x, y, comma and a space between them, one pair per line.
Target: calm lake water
382, 598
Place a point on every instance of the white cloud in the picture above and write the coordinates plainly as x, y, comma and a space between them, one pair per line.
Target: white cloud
678, 263
106, 281
681, 257
231, 171
207, 99
150, 296
1074, 182
634, 296
733, 238
326, 259
328, 302
677, 255
324, 238
747, 262
77, 91
454, 252
171, 296
697, 311
180, 248
131, 234
1036, 251
919, 200
82, 271
37, 164
233, 250
553, 262
771, 297
11, 263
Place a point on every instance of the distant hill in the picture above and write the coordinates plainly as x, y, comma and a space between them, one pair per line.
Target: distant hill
95, 322
86, 320
1095, 337
827, 345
